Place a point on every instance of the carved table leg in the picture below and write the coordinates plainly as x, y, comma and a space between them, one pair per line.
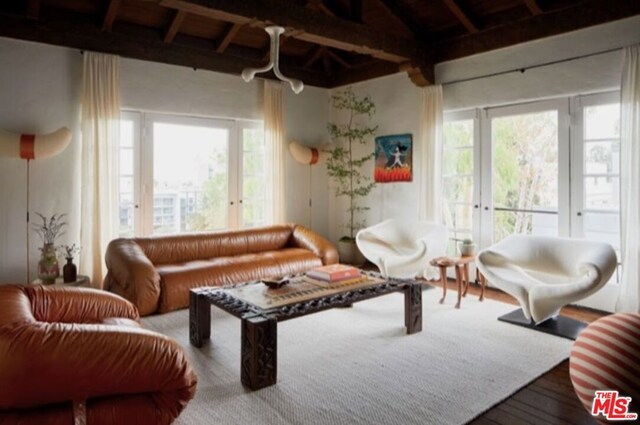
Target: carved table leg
199, 319
443, 280
458, 269
259, 357
413, 308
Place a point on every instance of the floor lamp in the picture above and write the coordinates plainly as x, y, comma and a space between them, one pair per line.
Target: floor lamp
308, 156
29, 147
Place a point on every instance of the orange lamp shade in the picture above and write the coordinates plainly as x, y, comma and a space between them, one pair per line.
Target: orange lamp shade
32, 146
304, 154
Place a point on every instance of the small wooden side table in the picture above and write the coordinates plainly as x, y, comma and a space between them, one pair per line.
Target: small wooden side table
81, 281
461, 265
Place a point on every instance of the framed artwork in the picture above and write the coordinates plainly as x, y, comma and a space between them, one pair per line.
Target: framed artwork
394, 159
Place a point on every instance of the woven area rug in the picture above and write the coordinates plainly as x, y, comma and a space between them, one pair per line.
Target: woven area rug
357, 366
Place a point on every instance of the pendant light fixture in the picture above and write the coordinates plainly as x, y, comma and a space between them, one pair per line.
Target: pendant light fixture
248, 73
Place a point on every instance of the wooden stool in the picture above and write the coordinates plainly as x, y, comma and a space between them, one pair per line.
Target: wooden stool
461, 265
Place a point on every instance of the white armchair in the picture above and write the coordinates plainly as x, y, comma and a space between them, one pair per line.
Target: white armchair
546, 273
403, 248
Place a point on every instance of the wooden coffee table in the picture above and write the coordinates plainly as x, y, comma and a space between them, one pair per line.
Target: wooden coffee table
259, 325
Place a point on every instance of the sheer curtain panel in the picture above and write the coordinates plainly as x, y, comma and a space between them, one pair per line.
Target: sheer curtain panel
274, 141
100, 125
629, 299
430, 197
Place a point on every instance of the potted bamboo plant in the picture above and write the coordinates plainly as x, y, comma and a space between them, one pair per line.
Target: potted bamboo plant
344, 164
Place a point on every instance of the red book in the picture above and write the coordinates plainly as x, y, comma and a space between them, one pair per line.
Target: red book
334, 273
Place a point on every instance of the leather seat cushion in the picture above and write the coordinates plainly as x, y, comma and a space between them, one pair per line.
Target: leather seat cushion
177, 279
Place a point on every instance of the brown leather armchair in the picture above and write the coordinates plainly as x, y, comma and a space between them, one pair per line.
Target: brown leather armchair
70, 353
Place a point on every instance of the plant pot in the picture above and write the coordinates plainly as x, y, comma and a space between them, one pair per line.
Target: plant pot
350, 254
48, 266
467, 250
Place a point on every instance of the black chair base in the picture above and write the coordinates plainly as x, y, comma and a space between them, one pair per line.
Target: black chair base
561, 326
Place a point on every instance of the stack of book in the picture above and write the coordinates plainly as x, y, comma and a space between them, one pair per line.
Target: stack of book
335, 273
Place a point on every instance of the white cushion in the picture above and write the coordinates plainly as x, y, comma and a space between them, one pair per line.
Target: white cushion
403, 248
546, 273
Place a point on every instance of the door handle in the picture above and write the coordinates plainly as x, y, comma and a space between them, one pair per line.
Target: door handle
486, 208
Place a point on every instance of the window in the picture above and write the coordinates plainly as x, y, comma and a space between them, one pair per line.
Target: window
184, 174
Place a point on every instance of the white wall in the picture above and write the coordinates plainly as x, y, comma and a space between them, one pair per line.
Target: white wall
40, 91
587, 75
397, 112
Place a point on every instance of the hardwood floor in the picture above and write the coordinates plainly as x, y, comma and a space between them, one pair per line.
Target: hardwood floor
549, 399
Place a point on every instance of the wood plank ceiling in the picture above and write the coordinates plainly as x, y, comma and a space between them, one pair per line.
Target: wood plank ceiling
327, 43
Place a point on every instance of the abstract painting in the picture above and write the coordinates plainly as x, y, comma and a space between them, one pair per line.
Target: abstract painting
394, 158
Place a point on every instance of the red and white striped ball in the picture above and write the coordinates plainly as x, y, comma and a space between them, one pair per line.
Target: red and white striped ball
606, 356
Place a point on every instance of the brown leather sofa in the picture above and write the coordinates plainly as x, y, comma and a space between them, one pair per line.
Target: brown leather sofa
68, 354
156, 273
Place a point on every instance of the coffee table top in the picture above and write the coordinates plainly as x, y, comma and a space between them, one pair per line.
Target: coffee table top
298, 298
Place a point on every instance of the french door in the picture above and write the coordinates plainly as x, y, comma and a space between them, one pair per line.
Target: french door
525, 190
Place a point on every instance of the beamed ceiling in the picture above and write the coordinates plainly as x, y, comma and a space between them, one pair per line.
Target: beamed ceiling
327, 43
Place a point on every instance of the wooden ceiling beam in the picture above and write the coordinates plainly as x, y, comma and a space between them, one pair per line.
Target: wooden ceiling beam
138, 42
228, 37
318, 29
326, 62
454, 7
110, 16
174, 27
315, 54
405, 17
354, 75
533, 7
33, 9
336, 57
581, 15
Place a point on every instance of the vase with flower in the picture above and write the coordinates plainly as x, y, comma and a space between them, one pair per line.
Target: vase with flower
69, 271
49, 231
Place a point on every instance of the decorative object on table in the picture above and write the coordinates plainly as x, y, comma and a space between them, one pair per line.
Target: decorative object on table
32, 146
345, 168
403, 248
546, 273
249, 73
308, 156
466, 247
394, 159
276, 282
82, 281
50, 230
69, 271
334, 273
606, 357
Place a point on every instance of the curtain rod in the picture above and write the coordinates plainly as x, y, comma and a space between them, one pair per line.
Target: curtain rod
540, 65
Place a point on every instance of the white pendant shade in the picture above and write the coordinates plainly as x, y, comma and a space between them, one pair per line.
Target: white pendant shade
38, 146
304, 154
249, 73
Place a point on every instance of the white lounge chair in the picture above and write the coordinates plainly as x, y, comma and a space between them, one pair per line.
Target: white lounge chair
403, 248
546, 273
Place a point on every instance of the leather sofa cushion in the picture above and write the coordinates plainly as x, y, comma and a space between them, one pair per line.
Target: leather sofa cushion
203, 246
177, 279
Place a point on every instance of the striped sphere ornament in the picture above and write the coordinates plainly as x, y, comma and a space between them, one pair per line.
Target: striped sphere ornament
606, 357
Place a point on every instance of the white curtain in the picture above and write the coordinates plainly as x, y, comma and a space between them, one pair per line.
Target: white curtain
274, 139
100, 125
430, 188
629, 299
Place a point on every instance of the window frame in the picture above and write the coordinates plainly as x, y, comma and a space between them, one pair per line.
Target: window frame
143, 123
